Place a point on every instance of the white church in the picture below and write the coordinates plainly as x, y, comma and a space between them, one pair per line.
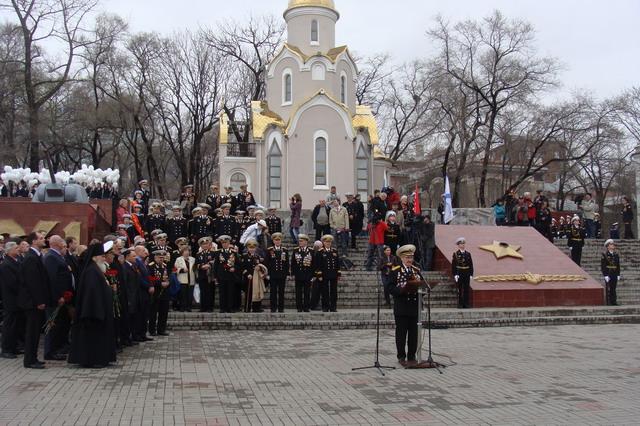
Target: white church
309, 134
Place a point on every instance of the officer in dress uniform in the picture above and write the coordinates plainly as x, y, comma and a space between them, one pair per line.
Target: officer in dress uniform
405, 304
213, 199
327, 271
274, 223
177, 226
575, 240
277, 261
229, 198
250, 260
226, 270
226, 224
392, 232
241, 226
199, 226
244, 198
152, 244
143, 186
302, 269
159, 311
156, 219
462, 271
187, 200
610, 265
204, 265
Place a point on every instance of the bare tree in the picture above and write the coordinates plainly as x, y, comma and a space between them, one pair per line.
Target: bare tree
408, 109
53, 23
373, 74
11, 94
250, 46
495, 58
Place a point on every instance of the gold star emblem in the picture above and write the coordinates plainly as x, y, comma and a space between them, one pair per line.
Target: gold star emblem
501, 249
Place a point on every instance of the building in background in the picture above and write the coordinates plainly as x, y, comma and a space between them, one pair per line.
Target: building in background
309, 134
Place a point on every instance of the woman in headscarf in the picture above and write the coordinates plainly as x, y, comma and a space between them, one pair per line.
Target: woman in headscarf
93, 338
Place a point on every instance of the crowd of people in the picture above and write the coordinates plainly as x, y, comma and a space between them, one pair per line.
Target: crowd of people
514, 210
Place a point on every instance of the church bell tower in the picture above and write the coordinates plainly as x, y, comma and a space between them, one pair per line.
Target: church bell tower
311, 25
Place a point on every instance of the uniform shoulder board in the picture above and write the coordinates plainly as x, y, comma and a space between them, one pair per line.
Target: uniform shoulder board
395, 268
152, 264
415, 268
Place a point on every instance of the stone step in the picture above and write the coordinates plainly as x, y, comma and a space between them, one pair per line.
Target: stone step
347, 319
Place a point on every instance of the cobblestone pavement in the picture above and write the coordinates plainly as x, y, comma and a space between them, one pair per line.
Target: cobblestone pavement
540, 375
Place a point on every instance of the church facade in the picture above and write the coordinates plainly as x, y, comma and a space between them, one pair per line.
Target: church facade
309, 133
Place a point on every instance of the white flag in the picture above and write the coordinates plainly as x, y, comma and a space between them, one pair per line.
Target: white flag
448, 207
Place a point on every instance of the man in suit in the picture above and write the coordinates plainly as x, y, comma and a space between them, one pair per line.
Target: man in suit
60, 281
146, 291
9, 287
34, 297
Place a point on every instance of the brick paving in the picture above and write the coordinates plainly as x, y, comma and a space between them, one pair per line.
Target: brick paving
536, 375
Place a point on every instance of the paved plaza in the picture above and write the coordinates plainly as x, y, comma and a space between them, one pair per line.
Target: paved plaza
537, 375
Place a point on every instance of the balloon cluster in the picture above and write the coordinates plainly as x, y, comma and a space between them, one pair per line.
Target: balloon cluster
86, 176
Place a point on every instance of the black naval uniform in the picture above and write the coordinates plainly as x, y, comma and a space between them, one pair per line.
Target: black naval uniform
249, 262
153, 222
328, 271
225, 269
462, 266
205, 280
302, 268
214, 200
277, 260
226, 225
575, 240
159, 312
199, 227
176, 227
392, 236
231, 199
405, 309
274, 224
610, 265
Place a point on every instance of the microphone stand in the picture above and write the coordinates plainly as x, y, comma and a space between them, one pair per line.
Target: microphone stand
429, 362
376, 362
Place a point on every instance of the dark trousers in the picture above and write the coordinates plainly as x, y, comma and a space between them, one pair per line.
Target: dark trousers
276, 286
322, 230
237, 297
590, 226
186, 297
628, 231
464, 291
35, 319
208, 295
354, 237
141, 317
227, 295
329, 292
385, 286
10, 332
303, 290
406, 336
158, 314
576, 255
316, 287
612, 297
58, 336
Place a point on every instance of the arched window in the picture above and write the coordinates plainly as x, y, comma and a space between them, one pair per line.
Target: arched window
287, 87
320, 161
237, 179
362, 172
317, 72
275, 176
343, 88
315, 39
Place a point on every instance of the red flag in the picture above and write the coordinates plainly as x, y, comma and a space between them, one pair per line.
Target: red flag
416, 202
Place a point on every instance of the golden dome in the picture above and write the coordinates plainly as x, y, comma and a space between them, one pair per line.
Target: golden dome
327, 4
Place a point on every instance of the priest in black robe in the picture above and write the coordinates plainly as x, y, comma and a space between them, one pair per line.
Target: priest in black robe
93, 344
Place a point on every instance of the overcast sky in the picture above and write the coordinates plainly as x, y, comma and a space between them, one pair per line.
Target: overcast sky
598, 41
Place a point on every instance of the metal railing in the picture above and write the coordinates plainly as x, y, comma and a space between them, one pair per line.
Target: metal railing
241, 150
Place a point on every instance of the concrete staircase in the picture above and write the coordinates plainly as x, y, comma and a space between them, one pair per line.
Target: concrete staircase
357, 289
629, 250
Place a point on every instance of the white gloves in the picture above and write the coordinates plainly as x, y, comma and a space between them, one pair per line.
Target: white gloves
606, 279
619, 276
457, 277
